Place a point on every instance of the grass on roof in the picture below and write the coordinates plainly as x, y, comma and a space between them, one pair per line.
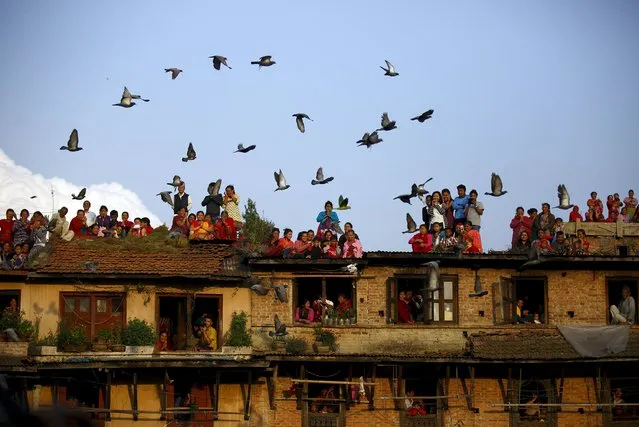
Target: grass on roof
157, 241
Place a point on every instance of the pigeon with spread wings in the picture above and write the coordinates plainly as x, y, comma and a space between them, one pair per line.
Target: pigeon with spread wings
190, 153
496, 186
72, 143
390, 69
299, 120
218, 61
265, 61
386, 123
319, 177
242, 149
424, 116
342, 203
281, 181
80, 195
564, 198
411, 225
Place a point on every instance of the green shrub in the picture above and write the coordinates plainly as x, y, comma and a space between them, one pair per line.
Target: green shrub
325, 337
138, 332
105, 335
15, 320
238, 335
71, 335
49, 340
296, 346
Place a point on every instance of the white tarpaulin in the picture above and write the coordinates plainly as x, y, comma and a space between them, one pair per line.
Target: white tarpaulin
596, 341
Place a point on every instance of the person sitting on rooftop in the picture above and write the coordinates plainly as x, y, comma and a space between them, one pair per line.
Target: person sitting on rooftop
39, 237
472, 239
78, 225
311, 235
449, 240
88, 214
575, 216
272, 244
145, 227
286, 243
6, 227
125, 223
213, 203
543, 242
225, 227
581, 246
352, 247
6, 255
20, 231
59, 225
136, 229
179, 225
595, 209
19, 259
437, 234
625, 313
422, 242
342, 238
630, 203
623, 216
316, 249
103, 220
561, 246
523, 243
333, 250
302, 247
326, 218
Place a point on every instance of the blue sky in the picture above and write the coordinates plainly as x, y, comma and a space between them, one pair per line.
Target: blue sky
542, 93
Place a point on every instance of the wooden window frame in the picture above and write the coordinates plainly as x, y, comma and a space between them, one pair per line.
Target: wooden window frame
505, 297
190, 298
93, 297
296, 284
392, 296
13, 292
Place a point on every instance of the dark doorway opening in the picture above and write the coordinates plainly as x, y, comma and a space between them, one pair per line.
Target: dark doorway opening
178, 314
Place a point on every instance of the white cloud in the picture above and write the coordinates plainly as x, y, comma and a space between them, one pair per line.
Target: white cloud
19, 184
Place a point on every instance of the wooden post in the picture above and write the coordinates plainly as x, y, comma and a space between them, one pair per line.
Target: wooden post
270, 386
247, 405
56, 392
347, 389
216, 399
371, 389
135, 396
163, 404
107, 397
304, 395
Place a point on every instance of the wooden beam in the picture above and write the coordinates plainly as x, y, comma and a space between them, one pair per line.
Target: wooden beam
270, 386
329, 382
371, 390
107, 397
303, 395
135, 396
164, 394
216, 399
247, 403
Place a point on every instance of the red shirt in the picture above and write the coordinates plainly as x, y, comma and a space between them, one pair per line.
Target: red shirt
127, 225
225, 229
6, 231
425, 246
149, 230
77, 226
403, 311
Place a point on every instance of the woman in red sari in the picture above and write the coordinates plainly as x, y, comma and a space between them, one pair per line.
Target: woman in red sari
225, 227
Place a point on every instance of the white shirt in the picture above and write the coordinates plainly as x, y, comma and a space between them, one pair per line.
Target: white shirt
91, 218
473, 216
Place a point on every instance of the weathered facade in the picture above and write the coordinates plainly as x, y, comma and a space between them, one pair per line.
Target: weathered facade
463, 358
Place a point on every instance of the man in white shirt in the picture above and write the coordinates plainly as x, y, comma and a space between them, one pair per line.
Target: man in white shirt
474, 210
90, 216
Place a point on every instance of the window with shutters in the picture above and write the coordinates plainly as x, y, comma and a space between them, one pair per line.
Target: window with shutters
339, 306
520, 300
408, 301
93, 311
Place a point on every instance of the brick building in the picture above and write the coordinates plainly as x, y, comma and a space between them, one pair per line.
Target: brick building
463, 360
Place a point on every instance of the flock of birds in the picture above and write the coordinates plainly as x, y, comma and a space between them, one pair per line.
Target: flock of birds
368, 139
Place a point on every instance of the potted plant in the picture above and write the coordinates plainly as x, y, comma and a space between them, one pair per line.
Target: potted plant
331, 313
278, 345
351, 314
45, 346
20, 333
116, 340
24, 329
138, 337
72, 339
238, 338
325, 341
102, 340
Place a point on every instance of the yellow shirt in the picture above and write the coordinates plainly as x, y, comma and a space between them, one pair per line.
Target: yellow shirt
209, 338
518, 311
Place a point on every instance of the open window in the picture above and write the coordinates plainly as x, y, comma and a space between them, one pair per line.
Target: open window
408, 301
178, 314
93, 311
422, 404
624, 396
615, 291
520, 300
339, 290
9, 299
536, 396
191, 399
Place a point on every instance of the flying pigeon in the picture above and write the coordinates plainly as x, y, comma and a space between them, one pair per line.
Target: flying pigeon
174, 72
411, 226
478, 292
319, 177
280, 293
370, 140
72, 143
33, 197
166, 197
496, 187
299, 120
433, 275
424, 116
190, 153
281, 181
218, 61
390, 70
386, 123
421, 190
176, 181
126, 100
214, 187
564, 198
342, 203
337, 227
91, 266
280, 328
406, 197
80, 195
134, 96
242, 149
257, 286
350, 268
264, 61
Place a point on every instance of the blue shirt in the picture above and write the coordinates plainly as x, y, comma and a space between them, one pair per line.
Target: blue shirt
459, 205
322, 215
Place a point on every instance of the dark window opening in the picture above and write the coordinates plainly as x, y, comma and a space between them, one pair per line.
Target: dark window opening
615, 288
179, 316
192, 399
624, 392
338, 291
533, 393
529, 305
6, 298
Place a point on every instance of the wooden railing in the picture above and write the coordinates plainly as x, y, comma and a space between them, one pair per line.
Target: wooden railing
323, 420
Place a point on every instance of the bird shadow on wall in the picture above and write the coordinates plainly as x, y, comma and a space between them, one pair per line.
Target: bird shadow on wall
52, 310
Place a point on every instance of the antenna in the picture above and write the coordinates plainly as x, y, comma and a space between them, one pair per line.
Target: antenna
52, 200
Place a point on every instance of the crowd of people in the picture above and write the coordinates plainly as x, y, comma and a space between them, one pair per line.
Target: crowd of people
323, 243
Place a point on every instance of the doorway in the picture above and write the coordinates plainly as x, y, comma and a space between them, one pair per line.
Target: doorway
178, 313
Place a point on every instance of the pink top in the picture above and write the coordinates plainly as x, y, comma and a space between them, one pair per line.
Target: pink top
310, 316
352, 250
